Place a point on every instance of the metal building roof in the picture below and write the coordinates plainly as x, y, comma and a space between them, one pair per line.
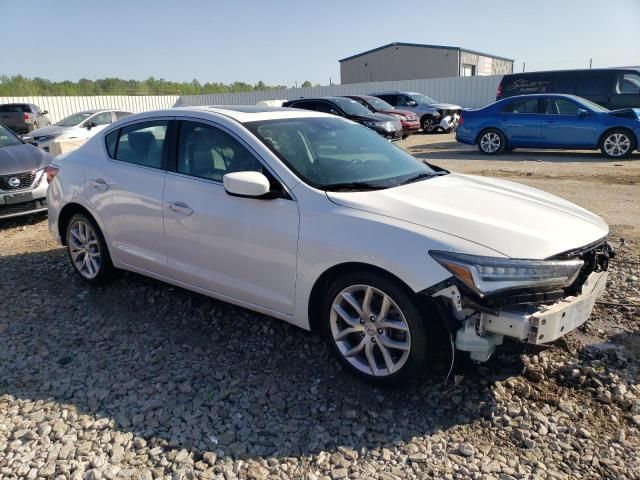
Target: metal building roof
422, 45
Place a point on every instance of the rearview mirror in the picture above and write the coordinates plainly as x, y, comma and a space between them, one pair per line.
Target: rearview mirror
582, 113
246, 184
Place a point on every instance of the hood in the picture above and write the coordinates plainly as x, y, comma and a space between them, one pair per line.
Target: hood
633, 113
512, 219
51, 130
22, 158
373, 117
406, 113
445, 106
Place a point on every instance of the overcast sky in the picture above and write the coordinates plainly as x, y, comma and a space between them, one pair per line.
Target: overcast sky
280, 42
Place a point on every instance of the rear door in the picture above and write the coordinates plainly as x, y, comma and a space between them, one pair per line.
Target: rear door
563, 127
522, 123
126, 189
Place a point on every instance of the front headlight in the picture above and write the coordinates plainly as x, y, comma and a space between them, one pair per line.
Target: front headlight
487, 275
46, 138
371, 124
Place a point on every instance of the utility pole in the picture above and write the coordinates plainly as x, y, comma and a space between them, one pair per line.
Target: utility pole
590, 63
523, 65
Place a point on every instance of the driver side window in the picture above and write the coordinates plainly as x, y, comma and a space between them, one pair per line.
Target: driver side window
205, 151
402, 101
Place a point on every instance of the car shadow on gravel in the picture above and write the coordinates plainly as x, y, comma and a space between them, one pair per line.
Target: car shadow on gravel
187, 372
22, 221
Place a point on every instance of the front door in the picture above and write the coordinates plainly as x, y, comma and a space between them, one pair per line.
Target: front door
563, 126
126, 191
242, 248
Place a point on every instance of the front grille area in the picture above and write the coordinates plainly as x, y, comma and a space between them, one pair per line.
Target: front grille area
25, 179
444, 113
22, 207
596, 259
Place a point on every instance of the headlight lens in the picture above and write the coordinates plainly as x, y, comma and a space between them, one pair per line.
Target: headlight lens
486, 275
45, 138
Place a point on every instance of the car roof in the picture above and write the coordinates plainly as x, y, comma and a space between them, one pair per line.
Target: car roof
250, 113
545, 95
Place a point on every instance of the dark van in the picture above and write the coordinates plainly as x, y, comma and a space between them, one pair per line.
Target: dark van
613, 88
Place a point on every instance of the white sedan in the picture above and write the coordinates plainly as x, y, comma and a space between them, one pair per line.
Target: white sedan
320, 222
80, 125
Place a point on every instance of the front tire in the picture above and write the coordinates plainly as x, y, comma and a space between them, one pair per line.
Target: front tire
374, 328
492, 142
88, 251
617, 143
428, 124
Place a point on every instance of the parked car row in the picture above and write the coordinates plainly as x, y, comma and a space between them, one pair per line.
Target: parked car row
394, 115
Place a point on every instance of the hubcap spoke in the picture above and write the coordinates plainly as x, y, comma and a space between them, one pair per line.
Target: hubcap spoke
348, 331
371, 359
345, 316
353, 302
393, 344
387, 358
357, 349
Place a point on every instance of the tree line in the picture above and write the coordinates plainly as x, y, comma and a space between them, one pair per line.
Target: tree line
19, 86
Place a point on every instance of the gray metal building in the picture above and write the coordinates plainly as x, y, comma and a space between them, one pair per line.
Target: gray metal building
410, 61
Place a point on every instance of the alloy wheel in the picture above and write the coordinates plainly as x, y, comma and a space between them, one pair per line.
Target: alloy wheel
84, 249
490, 142
370, 330
428, 125
617, 144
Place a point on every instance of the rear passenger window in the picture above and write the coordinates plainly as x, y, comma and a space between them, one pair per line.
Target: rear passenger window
592, 84
560, 107
140, 144
207, 152
523, 106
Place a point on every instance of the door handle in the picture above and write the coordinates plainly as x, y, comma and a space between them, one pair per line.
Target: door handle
100, 184
180, 207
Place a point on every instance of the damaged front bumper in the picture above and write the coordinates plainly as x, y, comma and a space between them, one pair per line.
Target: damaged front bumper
482, 330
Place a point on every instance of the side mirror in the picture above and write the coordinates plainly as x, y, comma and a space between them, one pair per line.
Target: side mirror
90, 125
582, 113
45, 112
334, 112
27, 138
411, 103
246, 184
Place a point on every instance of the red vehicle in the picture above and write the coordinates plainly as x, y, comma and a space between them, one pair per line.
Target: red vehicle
409, 120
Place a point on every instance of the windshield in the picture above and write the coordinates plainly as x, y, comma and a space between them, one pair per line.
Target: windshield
351, 107
593, 106
75, 119
422, 99
7, 138
379, 104
334, 154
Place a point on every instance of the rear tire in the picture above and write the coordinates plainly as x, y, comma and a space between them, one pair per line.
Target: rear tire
492, 142
617, 143
374, 328
88, 251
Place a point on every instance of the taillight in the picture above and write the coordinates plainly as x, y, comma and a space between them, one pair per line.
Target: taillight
499, 92
51, 172
27, 117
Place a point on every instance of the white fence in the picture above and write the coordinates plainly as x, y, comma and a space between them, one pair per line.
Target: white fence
60, 107
469, 92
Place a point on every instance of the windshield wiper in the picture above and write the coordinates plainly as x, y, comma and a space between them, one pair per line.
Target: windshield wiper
421, 176
347, 186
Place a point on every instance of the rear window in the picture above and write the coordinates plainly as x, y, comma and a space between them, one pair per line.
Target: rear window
15, 108
522, 106
592, 83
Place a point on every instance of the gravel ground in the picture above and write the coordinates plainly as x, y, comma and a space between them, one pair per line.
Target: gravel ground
143, 380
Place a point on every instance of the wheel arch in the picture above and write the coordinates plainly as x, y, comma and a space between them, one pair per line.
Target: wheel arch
323, 282
67, 212
484, 129
628, 130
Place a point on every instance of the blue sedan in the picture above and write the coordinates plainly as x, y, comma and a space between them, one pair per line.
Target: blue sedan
550, 121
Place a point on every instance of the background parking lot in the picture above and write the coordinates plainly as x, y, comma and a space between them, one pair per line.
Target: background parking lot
143, 380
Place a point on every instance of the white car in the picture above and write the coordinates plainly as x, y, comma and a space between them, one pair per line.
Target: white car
321, 222
81, 125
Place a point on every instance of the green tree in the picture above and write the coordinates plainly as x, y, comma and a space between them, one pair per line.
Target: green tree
306, 84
